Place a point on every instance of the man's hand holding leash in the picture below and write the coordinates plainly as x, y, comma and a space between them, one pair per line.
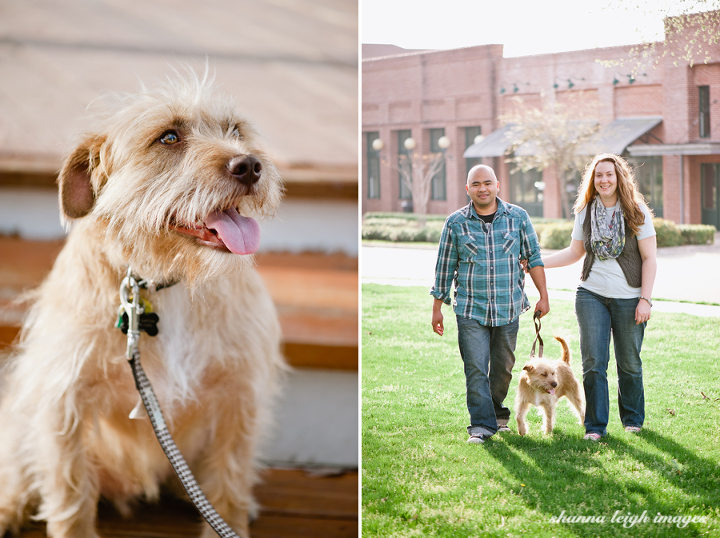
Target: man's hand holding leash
537, 274
437, 317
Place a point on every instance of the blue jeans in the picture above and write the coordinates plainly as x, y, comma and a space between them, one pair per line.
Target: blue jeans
488, 354
598, 317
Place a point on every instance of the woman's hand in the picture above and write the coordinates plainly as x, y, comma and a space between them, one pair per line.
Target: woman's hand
642, 312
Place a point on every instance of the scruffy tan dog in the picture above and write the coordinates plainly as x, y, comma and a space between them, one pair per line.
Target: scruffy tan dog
542, 383
170, 186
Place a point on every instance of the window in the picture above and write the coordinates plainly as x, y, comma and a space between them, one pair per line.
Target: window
403, 153
470, 134
526, 190
649, 177
437, 191
373, 165
704, 94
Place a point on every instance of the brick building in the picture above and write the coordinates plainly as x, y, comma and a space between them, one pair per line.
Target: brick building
665, 120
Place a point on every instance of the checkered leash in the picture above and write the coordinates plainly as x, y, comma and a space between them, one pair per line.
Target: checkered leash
130, 299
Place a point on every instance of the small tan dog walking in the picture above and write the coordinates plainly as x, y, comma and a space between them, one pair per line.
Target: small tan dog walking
169, 185
542, 383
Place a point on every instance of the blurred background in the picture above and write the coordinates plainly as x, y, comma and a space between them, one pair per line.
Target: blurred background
292, 68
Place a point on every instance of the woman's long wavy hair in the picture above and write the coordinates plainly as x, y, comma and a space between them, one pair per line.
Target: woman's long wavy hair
627, 190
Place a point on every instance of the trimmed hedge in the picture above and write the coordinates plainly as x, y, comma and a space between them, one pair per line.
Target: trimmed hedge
668, 234
697, 234
406, 217
553, 234
401, 230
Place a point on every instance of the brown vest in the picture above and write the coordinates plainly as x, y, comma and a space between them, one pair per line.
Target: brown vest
629, 259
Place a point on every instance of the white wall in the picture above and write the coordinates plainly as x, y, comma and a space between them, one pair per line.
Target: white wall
316, 421
323, 226
31, 213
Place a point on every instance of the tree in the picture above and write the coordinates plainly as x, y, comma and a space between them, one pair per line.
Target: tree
691, 27
551, 136
417, 171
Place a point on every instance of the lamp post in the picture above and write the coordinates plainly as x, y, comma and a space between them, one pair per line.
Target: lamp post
443, 143
407, 205
373, 172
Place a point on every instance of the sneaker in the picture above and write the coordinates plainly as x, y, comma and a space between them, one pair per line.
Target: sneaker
477, 438
633, 429
592, 437
504, 428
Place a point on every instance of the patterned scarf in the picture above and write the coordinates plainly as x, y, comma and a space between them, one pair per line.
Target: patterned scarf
607, 239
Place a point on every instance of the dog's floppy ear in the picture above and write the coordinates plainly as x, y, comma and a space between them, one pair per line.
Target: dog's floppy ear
77, 196
528, 367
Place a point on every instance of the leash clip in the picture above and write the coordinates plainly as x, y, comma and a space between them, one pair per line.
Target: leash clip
133, 309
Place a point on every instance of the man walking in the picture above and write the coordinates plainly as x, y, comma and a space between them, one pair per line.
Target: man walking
480, 251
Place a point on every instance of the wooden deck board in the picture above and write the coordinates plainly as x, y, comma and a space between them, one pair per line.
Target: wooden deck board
294, 504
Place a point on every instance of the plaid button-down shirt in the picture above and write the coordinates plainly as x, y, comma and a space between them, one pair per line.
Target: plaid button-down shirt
483, 262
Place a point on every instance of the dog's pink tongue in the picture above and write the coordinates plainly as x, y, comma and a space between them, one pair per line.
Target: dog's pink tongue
552, 391
241, 235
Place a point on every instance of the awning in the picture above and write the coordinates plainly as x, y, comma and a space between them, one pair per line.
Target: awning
493, 145
499, 141
618, 135
701, 148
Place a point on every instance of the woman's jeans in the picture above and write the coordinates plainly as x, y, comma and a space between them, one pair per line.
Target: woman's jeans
488, 354
598, 318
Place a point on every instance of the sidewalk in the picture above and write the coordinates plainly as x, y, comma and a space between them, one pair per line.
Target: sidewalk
687, 273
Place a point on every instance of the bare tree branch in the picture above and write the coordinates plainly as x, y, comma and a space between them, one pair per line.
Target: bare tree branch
417, 171
691, 27
551, 137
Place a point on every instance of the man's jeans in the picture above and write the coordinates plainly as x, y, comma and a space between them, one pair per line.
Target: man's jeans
489, 356
598, 318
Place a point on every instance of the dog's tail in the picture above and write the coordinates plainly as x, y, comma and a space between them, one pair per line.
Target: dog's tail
566, 350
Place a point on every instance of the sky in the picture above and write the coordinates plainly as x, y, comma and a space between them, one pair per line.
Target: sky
524, 27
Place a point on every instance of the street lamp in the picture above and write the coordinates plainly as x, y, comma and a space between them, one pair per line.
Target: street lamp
409, 144
377, 144
478, 139
444, 142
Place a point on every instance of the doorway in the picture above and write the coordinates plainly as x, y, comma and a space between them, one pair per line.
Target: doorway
710, 194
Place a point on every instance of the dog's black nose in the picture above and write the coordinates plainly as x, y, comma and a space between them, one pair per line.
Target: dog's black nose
553, 384
245, 168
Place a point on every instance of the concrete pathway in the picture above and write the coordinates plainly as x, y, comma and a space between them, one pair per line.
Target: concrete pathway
688, 273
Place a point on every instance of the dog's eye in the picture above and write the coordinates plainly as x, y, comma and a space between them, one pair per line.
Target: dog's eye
236, 133
544, 375
169, 138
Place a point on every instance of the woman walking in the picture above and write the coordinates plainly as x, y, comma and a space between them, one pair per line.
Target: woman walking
614, 231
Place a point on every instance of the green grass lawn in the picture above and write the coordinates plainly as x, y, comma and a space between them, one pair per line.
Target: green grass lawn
421, 478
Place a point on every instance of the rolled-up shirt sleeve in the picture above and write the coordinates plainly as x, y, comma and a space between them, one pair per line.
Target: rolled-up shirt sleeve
530, 246
446, 265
